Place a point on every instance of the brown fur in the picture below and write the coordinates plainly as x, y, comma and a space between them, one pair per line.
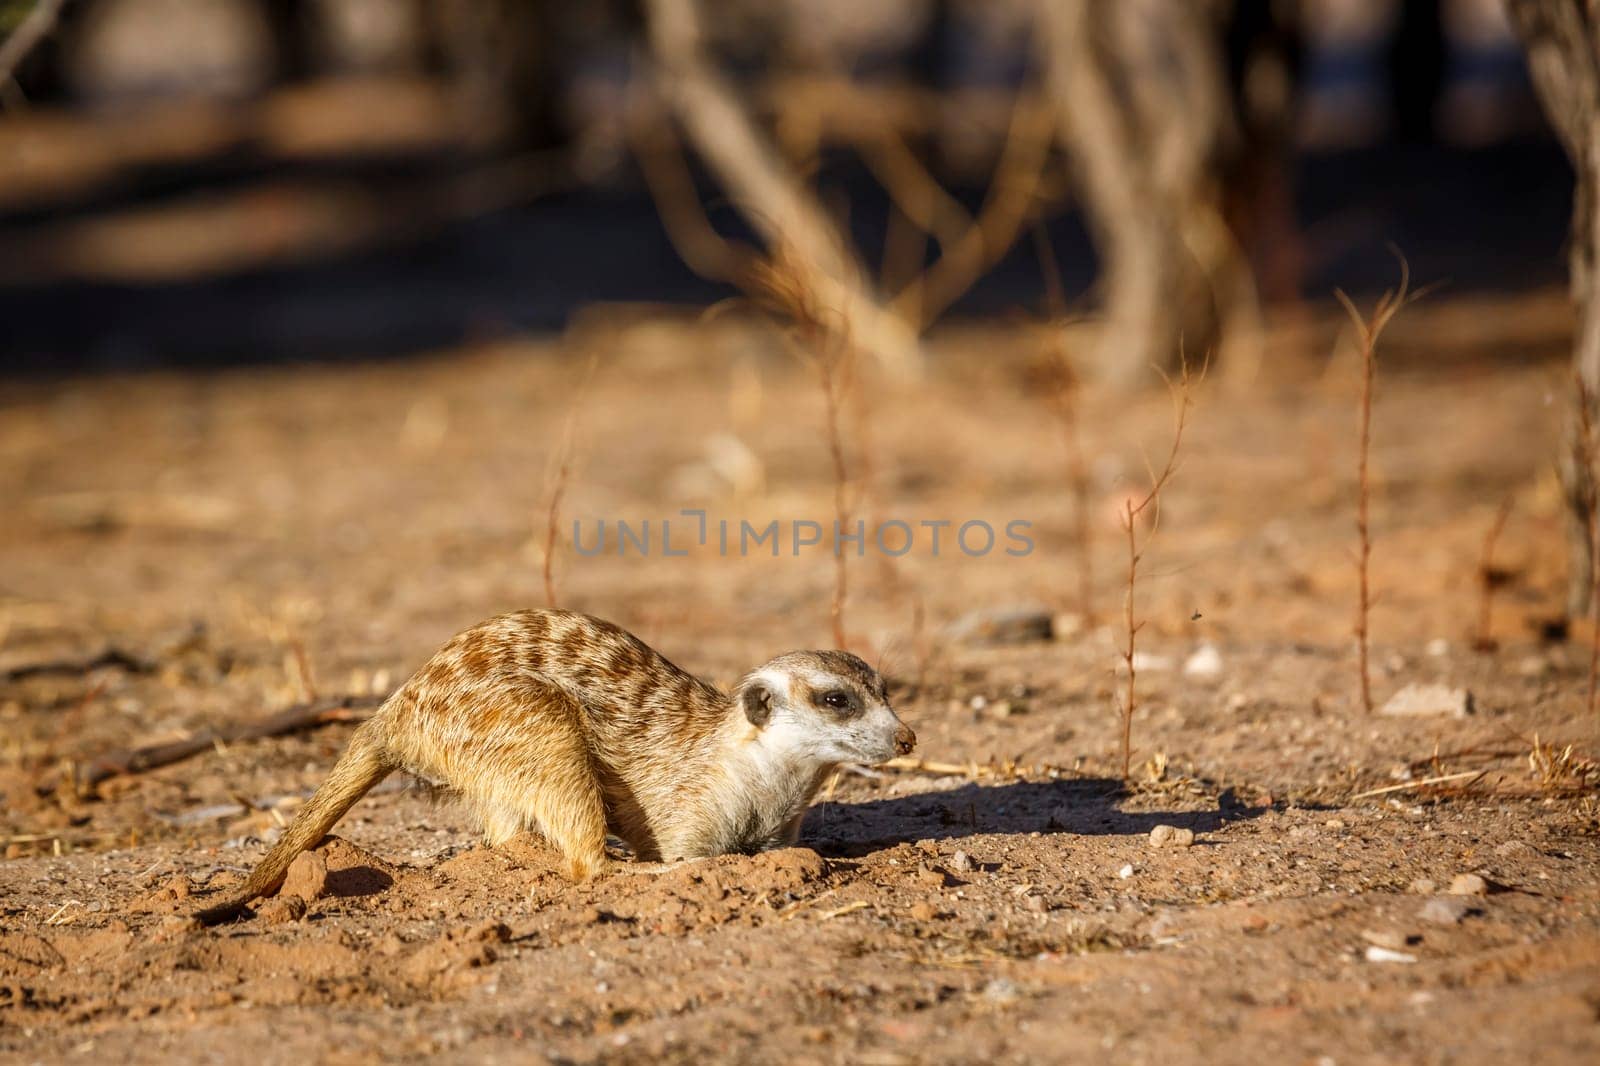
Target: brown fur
568, 724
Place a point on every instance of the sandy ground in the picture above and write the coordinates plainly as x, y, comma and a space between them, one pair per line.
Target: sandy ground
240, 542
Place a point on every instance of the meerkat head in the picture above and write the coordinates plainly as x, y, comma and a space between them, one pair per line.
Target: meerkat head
824, 706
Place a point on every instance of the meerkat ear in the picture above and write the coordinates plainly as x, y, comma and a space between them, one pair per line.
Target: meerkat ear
757, 700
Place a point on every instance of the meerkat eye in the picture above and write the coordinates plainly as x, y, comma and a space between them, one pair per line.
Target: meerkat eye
837, 699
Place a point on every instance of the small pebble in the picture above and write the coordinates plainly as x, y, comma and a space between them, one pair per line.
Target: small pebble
1002, 991
1392, 939
1377, 954
1468, 885
1171, 836
282, 909
923, 911
175, 925
1126, 872
1205, 662
1424, 700
961, 862
1424, 886
1445, 910
1002, 625
1533, 666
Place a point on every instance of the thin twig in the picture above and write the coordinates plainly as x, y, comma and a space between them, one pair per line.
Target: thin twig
1441, 779
302, 665
111, 656
1489, 578
1131, 512
563, 472
826, 368
1368, 330
300, 717
1588, 445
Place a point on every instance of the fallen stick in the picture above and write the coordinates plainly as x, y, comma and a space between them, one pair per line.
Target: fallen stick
300, 717
110, 656
1474, 774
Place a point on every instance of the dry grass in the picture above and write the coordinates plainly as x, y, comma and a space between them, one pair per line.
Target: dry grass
1562, 770
1368, 330
1589, 457
1132, 511
558, 477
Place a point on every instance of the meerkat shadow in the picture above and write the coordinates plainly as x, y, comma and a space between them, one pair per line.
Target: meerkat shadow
1079, 806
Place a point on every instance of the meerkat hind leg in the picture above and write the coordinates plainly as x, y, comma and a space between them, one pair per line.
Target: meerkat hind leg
549, 785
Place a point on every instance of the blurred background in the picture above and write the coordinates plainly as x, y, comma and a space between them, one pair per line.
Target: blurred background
222, 181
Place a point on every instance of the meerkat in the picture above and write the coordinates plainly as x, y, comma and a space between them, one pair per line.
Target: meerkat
569, 725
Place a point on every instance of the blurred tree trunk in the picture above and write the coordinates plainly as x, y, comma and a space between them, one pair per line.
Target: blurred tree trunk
1417, 56
1562, 39
1141, 91
289, 24
778, 205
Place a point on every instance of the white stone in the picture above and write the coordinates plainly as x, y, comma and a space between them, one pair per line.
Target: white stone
1205, 662
1418, 700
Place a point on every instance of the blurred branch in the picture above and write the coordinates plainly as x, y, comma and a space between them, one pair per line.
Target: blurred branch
35, 27
671, 185
1140, 103
1010, 198
778, 205
300, 717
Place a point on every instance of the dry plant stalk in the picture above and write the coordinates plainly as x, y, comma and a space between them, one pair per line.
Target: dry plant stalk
823, 340
1368, 330
302, 665
1183, 398
1587, 455
1064, 404
562, 474
1562, 770
1489, 578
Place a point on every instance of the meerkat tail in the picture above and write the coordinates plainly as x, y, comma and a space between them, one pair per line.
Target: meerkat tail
364, 763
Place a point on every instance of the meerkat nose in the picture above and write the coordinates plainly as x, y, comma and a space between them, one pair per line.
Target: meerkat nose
904, 740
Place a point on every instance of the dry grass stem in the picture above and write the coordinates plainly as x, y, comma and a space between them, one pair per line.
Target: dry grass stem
1589, 456
560, 477
1182, 391
1490, 578
1368, 330
1425, 782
